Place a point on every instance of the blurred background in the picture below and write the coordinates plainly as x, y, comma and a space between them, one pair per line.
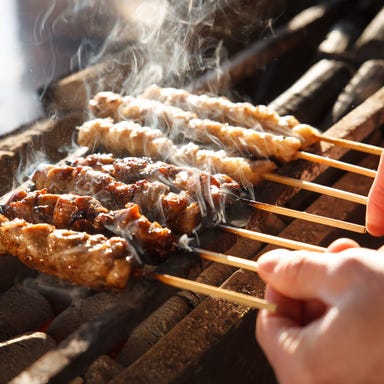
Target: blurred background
44, 40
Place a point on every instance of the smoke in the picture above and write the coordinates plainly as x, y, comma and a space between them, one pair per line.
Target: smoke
170, 35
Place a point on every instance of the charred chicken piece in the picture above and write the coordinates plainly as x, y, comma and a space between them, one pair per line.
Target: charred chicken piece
63, 211
93, 261
211, 190
177, 211
84, 213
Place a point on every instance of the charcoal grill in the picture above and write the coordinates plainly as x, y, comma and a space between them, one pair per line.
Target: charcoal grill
322, 66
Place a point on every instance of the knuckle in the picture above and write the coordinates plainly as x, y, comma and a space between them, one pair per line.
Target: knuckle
349, 264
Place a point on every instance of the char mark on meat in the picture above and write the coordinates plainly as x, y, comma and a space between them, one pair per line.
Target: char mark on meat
177, 211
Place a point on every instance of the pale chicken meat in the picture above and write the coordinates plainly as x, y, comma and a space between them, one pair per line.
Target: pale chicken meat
243, 114
176, 123
244, 171
221, 109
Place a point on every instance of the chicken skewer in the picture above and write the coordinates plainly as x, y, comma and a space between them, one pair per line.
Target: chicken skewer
85, 213
104, 132
178, 211
221, 109
128, 137
93, 261
177, 122
240, 114
213, 190
129, 169
106, 104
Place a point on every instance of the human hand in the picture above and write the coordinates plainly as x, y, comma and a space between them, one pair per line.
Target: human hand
375, 206
329, 324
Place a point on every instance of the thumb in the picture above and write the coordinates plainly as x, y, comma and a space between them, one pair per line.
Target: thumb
297, 274
375, 205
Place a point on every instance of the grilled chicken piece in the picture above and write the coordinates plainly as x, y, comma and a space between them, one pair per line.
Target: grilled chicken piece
177, 122
63, 211
177, 211
221, 109
93, 261
113, 137
152, 240
125, 137
259, 117
107, 104
84, 213
212, 190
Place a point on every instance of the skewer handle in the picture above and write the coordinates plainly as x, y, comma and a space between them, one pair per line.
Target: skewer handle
233, 261
337, 164
309, 217
303, 184
362, 147
220, 293
279, 241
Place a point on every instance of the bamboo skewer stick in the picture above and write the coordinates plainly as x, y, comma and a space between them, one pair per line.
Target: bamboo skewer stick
316, 188
337, 164
233, 261
362, 147
307, 216
209, 290
275, 240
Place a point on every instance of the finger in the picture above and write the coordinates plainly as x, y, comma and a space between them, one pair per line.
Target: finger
312, 310
375, 205
302, 312
286, 307
342, 244
297, 274
280, 338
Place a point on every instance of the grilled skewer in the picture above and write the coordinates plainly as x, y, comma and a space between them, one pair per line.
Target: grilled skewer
109, 104
127, 137
85, 213
221, 109
103, 131
93, 261
90, 260
213, 190
241, 114
178, 211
